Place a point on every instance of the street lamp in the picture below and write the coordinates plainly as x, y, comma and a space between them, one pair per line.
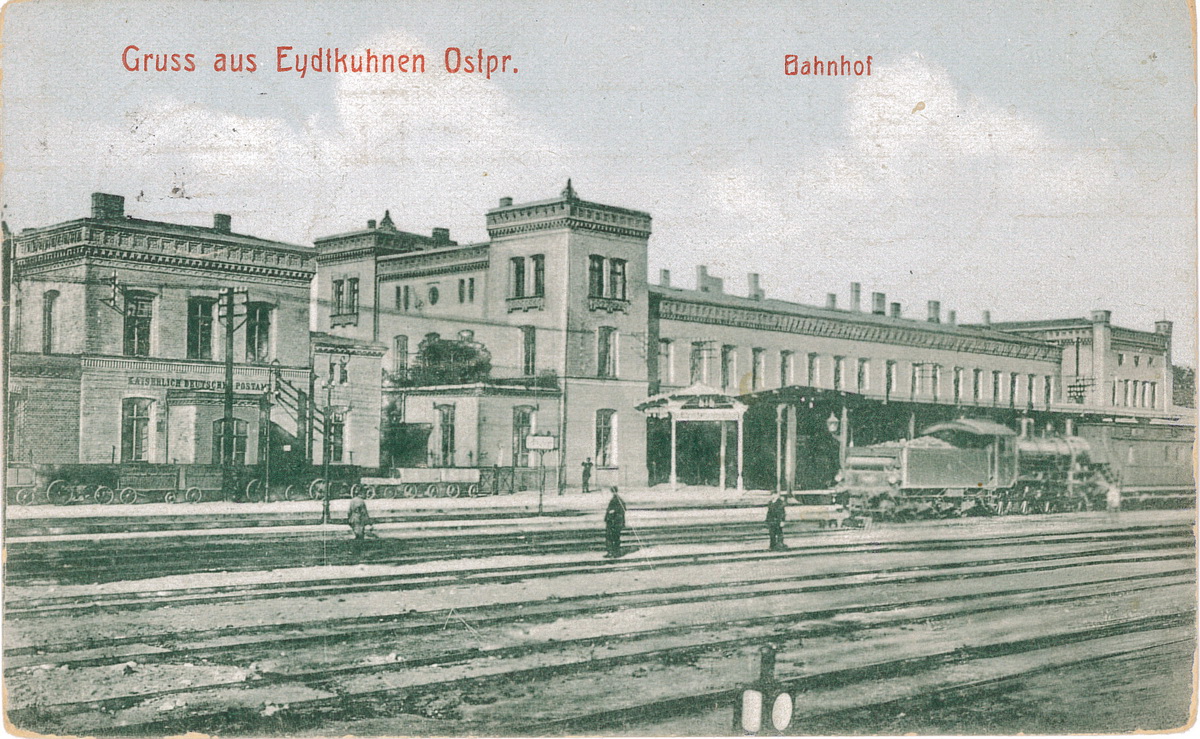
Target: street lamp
833, 424
337, 376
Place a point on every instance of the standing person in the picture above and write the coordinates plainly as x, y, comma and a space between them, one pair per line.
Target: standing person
614, 523
358, 517
587, 475
776, 515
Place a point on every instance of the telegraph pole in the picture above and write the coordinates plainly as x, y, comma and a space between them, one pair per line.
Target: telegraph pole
228, 484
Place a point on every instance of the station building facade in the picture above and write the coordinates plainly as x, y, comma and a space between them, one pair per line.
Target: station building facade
552, 327
117, 341
545, 345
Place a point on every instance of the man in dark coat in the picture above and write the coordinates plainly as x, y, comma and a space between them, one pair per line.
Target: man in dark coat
776, 515
587, 475
614, 523
358, 518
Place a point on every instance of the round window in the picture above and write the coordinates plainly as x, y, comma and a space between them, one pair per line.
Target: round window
433, 295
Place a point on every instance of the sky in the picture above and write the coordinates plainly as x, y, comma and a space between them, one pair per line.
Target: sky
1036, 159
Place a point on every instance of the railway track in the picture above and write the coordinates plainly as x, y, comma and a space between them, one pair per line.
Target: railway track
82, 562
941, 613
19, 607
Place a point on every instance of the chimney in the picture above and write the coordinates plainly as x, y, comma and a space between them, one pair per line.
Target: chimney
831, 301
855, 296
895, 310
878, 303
107, 206
1163, 327
987, 318
952, 318
441, 234
935, 311
755, 291
706, 283
222, 222
505, 202
664, 277
371, 224
1101, 316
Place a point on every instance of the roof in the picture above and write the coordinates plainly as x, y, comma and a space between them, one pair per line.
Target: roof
971, 426
846, 316
163, 228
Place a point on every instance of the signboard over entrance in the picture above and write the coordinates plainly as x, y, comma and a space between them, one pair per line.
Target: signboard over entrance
541, 443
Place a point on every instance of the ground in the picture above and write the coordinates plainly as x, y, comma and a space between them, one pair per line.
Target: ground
481, 616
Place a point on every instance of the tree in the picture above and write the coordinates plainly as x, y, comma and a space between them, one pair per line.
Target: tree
1185, 386
450, 362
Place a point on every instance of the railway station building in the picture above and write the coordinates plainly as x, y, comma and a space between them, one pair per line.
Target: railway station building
545, 346
118, 342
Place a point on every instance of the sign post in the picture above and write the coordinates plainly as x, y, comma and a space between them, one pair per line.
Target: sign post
541, 443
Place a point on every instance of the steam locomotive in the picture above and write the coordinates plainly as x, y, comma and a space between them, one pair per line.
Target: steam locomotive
978, 467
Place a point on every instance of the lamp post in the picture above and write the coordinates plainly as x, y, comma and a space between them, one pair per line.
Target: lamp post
337, 376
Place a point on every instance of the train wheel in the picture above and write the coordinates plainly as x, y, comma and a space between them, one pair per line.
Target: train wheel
432, 490
253, 488
59, 492
24, 496
409, 490
473, 490
104, 495
194, 495
171, 496
128, 495
316, 489
370, 492
453, 491
292, 492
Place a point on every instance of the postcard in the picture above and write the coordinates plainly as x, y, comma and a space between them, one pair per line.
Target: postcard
599, 368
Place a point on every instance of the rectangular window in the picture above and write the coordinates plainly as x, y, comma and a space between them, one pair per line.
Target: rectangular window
1048, 390
1120, 359
200, 328
863, 376
958, 382
935, 381
445, 435
1154, 395
139, 311
462, 291
890, 378
135, 429
539, 275
528, 351
221, 443
616, 279
258, 332
696, 363
839, 364
996, 396
606, 352
595, 276
352, 295
606, 446
399, 353
913, 387
1125, 392
470, 289
758, 368
1137, 359
1029, 393
1012, 388
976, 384
49, 299
666, 361
812, 370
516, 277
339, 297
728, 366
786, 368
522, 428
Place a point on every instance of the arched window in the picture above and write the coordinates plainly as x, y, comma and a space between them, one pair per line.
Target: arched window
399, 353
606, 438
49, 298
135, 429
258, 332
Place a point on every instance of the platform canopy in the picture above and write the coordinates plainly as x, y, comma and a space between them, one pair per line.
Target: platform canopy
699, 403
974, 426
